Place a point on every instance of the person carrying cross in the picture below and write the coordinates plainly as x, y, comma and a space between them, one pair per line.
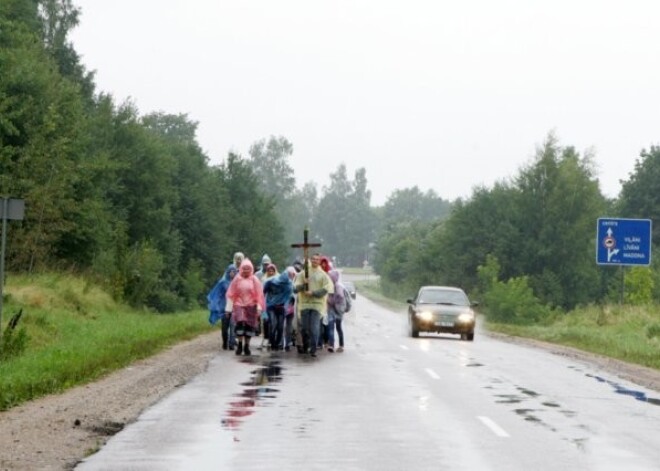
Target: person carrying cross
312, 290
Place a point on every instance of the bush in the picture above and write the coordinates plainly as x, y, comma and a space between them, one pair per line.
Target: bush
514, 302
166, 302
192, 286
142, 275
638, 283
653, 331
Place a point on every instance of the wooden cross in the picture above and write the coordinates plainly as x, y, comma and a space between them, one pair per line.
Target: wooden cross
305, 246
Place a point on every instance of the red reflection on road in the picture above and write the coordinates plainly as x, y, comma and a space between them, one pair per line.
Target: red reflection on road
245, 406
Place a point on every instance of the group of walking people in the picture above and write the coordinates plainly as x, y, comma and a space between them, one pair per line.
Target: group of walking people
295, 308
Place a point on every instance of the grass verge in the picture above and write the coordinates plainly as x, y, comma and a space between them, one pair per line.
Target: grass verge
372, 290
627, 333
77, 333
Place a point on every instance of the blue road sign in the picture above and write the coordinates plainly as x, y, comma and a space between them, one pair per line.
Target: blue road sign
623, 241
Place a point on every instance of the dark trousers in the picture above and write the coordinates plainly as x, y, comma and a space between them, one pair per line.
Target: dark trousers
276, 315
228, 337
340, 331
310, 321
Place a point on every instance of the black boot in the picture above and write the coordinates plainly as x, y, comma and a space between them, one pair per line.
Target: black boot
239, 348
247, 352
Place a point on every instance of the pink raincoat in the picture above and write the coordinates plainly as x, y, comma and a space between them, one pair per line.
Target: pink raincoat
247, 296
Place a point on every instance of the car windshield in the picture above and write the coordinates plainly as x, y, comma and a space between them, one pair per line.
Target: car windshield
443, 296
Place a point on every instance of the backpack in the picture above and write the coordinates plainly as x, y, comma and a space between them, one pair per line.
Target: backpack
349, 303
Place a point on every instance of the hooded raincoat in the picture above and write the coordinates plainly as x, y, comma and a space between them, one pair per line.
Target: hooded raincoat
247, 296
217, 299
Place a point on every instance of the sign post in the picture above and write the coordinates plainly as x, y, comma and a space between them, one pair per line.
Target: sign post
623, 242
10, 208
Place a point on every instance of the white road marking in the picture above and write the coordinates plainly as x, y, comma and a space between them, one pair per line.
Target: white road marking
496, 429
424, 403
432, 373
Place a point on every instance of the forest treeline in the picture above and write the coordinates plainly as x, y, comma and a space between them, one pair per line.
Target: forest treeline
132, 201
527, 246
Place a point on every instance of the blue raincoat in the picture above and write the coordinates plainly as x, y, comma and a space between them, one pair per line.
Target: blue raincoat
278, 290
217, 299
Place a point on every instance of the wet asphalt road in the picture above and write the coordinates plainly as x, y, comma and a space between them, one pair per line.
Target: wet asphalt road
391, 402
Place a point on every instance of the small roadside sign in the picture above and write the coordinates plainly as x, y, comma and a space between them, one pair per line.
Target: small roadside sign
10, 208
623, 241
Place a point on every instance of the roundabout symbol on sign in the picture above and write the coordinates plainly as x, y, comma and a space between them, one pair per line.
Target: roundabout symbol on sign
609, 242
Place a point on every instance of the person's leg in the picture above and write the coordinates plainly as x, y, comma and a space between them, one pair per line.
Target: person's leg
271, 322
306, 330
288, 331
314, 326
265, 329
300, 343
330, 332
225, 333
240, 333
232, 332
319, 342
278, 328
340, 334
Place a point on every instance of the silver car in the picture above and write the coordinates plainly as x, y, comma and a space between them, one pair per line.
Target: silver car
442, 309
350, 287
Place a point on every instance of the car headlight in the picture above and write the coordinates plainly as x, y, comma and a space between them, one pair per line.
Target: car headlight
466, 317
425, 315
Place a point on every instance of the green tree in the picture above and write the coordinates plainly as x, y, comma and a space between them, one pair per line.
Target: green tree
41, 118
344, 219
559, 202
483, 225
410, 204
640, 194
23, 13
300, 209
202, 209
254, 223
639, 285
362, 222
269, 162
331, 219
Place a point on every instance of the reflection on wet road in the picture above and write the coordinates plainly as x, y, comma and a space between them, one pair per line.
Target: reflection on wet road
619, 389
255, 394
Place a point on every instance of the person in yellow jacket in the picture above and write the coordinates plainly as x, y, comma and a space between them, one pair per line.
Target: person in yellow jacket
312, 302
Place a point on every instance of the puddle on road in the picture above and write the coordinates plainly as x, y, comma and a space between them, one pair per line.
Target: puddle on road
517, 398
527, 414
639, 395
508, 399
528, 392
257, 389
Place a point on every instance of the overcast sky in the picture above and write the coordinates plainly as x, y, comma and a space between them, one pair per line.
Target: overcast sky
444, 95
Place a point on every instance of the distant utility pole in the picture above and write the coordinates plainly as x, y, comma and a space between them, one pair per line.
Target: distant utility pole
10, 208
